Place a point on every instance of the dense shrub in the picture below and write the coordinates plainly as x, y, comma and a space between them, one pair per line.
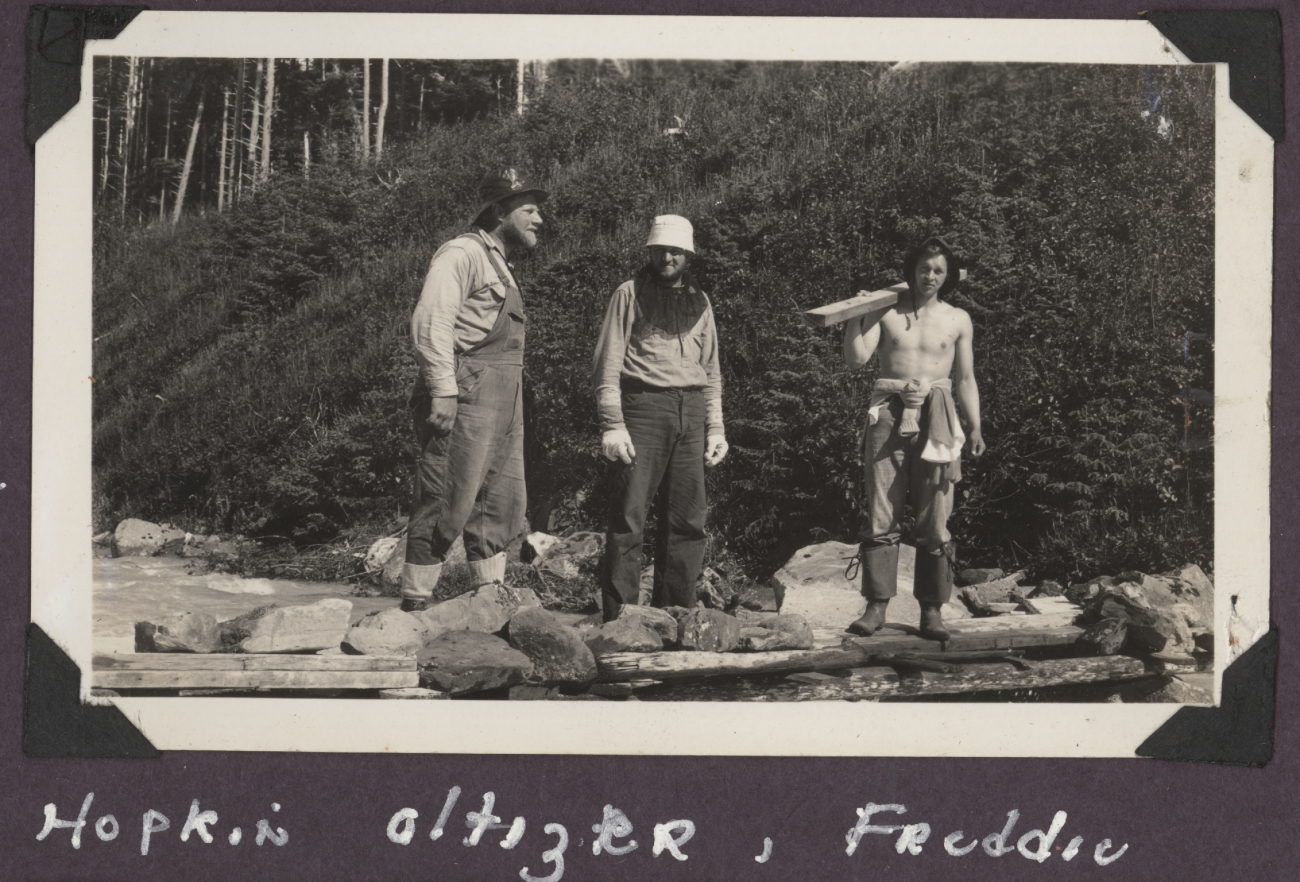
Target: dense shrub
252, 368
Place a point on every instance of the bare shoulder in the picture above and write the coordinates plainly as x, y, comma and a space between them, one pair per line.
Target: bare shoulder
959, 317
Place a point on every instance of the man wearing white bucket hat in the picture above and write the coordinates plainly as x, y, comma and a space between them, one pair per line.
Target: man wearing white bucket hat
659, 399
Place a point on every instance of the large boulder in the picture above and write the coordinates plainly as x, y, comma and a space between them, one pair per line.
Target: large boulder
486, 609
623, 635
557, 652
187, 632
659, 621
814, 586
305, 628
708, 630
141, 538
1192, 587
781, 631
1148, 630
460, 662
386, 632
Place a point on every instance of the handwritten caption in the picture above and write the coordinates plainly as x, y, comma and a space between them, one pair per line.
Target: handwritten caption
612, 834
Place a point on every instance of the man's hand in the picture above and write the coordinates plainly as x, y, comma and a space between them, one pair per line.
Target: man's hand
976, 442
715, 449
617, 444
442, 415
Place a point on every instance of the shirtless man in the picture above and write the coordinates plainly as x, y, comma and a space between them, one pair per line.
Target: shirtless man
912, 444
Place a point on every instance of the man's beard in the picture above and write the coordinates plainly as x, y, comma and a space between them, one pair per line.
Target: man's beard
669, 275
515, 238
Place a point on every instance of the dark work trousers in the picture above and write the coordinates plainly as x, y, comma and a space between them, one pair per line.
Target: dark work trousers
471, 480
893, 475
668, 432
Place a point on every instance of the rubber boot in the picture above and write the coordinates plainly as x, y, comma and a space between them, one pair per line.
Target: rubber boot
932, 622
418, 583
871, 620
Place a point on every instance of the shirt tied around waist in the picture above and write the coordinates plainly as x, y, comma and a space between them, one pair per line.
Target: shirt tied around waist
927, 402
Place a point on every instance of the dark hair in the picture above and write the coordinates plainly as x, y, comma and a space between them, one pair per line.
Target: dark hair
932, 247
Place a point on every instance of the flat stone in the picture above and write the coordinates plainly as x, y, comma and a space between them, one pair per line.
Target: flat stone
660, 621
997, 590
486, 609
1083, 592
558, 654
461, 662
386, 632
187, 632
1105, 637
774, 632
978, 575
1180, 691
305, 628
759, 598
813, 585
623, 635
708, 630
135, 537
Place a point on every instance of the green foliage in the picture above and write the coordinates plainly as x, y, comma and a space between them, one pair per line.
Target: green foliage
252, 368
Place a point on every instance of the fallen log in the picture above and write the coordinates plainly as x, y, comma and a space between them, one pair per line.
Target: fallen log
875, 683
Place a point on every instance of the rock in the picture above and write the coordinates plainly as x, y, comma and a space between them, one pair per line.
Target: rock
460, 662
714, 591
558, 654
187, 632
103, 539
660, 621
782, 631
564, 559
1195, 588
1149, 630
528, 692
409, 693
485, 609
537, 546
386, 632
759, 598
623, 635
708, 630
1105, 637
1083, 592
304, 628
978, 576
996, 590
141, 538
1180, 691
379, 553
1049, 588
812, 584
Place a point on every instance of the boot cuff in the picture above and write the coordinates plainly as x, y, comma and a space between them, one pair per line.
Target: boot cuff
418, 581
485, 572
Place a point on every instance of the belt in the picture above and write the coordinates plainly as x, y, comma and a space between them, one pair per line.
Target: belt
631, 384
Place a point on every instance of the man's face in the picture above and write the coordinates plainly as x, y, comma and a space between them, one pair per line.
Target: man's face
930, 274
520, 221
668, 263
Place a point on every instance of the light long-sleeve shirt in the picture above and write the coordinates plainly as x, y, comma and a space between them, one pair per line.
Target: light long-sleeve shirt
461, 299
661, 337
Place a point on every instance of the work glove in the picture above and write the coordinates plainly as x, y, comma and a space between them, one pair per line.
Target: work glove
715, 449
616, 444
442, 415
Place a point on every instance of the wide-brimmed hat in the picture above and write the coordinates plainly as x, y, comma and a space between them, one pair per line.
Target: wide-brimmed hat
672, 231
954, 263
501, 185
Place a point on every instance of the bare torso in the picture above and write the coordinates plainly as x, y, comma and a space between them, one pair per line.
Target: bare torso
920, 345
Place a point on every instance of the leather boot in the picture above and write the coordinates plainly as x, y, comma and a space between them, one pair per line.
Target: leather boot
871, 620
418, 583
932, 622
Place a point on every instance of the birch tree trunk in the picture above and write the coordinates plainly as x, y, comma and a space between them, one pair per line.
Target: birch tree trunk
236, 174
225, 143
268, 112
253, 130
306, 154
383, 112
167, 141
365, 109
128, 124
108, 131
189, 160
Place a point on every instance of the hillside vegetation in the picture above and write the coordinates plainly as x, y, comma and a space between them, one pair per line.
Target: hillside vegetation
252, 367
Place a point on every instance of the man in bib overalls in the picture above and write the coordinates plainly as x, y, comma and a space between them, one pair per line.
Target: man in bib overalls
468, 331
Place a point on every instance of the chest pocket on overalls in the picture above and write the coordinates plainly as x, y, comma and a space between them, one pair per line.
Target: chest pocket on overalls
515, 330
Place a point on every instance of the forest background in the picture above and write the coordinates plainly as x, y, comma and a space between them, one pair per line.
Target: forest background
255, 272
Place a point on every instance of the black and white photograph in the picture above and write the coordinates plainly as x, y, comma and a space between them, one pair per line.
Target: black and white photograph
654, 379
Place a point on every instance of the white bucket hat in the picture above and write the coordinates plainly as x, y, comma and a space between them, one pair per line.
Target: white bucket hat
672, 231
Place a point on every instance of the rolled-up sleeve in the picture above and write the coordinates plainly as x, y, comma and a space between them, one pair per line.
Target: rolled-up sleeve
433, 322
607, 363
713, 375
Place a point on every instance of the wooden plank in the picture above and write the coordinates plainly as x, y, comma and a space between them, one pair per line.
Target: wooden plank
255, 679
861, 304
176, 661
618, 666
873, 684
